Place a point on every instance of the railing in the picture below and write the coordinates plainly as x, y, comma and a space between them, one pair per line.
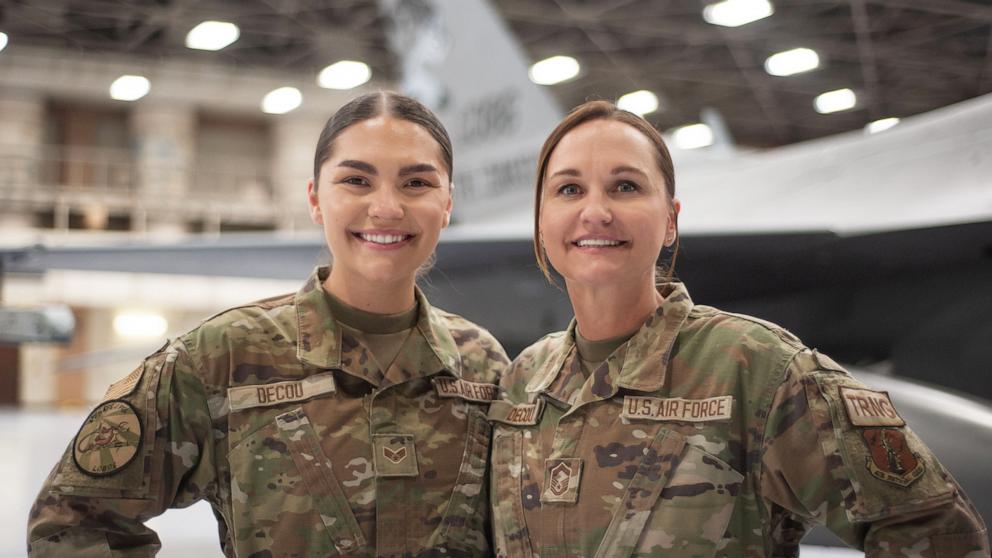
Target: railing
116, 180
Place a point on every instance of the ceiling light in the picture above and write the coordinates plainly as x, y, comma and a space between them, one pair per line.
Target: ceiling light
3, 40
212, 35
639, 102
554, 70
129, 88
834, 101
791, 62
346, 74
693, 136
140, 324
734, 13
282, 100
881, 125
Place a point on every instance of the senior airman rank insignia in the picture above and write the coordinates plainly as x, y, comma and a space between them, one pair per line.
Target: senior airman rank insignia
108, 440
394, 455
561, 479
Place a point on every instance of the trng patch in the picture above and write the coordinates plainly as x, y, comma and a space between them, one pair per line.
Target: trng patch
108, 440
890, 458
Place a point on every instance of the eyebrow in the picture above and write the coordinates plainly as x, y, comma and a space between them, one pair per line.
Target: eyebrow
419, 167
618, 170
359, 165
566, 172
623, 169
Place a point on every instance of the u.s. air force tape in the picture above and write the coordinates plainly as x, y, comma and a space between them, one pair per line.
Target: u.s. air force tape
523, 414
677, 409
244, 397
473, 391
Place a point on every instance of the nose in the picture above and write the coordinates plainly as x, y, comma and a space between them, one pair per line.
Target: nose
596, 210
386, 205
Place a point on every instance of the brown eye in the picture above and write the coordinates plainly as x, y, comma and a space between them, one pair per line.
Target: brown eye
355, 181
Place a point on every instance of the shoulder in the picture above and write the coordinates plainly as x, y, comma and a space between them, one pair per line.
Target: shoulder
244, 321
531, 360
482, 355
751, 334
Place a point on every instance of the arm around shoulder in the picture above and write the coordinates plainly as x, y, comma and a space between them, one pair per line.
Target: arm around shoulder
144, 448
837, 452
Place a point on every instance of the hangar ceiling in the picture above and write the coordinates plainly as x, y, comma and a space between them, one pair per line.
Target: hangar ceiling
901, 57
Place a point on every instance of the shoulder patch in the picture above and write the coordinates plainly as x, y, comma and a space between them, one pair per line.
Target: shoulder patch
866, 407
890, 459
108, 440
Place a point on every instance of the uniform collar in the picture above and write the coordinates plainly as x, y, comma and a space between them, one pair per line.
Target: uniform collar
430, 350
641, 364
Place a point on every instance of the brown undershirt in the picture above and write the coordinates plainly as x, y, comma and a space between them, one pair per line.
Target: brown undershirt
594, 353
383, 334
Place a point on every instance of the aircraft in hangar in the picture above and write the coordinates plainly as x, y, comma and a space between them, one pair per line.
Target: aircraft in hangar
873, 248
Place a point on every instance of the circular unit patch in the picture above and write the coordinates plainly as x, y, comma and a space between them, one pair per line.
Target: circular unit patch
109, 439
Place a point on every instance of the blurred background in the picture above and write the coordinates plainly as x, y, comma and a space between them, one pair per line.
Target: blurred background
833, 159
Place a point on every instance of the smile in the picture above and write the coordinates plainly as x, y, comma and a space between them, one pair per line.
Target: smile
383, 239
598, 243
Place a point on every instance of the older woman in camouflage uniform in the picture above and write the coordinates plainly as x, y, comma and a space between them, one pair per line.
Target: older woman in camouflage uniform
657, 427
347, 418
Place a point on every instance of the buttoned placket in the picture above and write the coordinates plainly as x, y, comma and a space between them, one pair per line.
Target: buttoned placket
648, 351
428, 351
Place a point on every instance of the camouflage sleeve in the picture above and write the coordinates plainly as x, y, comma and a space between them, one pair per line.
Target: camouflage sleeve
837, 452
146, 447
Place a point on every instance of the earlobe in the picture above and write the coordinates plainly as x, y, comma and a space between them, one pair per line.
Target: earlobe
447, 219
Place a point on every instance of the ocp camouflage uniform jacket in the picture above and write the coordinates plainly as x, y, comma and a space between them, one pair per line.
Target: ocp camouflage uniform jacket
710, 434
302, 446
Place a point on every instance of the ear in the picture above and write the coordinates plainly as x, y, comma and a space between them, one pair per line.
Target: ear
447, 211
314, 201
672, 232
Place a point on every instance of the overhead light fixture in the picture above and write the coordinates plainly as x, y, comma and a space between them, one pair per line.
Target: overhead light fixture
835, 101
693, 136
554, 70
140, 324
282, 100
212, 35
791, 62
3, 40
881, 125
734, 13
346, 74
639, 102
129, 88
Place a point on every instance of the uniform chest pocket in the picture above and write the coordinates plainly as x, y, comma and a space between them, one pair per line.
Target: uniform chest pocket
678, 503
283, 491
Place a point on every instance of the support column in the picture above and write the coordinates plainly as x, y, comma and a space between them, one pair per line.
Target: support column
165, 147
293, 141
21, 148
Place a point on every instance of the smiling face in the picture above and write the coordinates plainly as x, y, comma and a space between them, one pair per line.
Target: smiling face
382, 198
605, 212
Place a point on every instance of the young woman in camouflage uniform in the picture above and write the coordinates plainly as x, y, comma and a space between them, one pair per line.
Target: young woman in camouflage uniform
656, 427
345, 419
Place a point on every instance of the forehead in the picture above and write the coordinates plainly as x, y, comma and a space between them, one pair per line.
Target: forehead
603, 141
384, 139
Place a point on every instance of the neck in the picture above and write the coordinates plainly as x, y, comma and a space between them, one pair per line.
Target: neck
607, 311
379, 298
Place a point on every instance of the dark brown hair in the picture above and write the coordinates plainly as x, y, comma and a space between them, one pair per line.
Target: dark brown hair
602, 110
371, 105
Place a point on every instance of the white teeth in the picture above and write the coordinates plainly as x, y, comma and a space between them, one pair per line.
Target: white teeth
598, 242
383, 238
